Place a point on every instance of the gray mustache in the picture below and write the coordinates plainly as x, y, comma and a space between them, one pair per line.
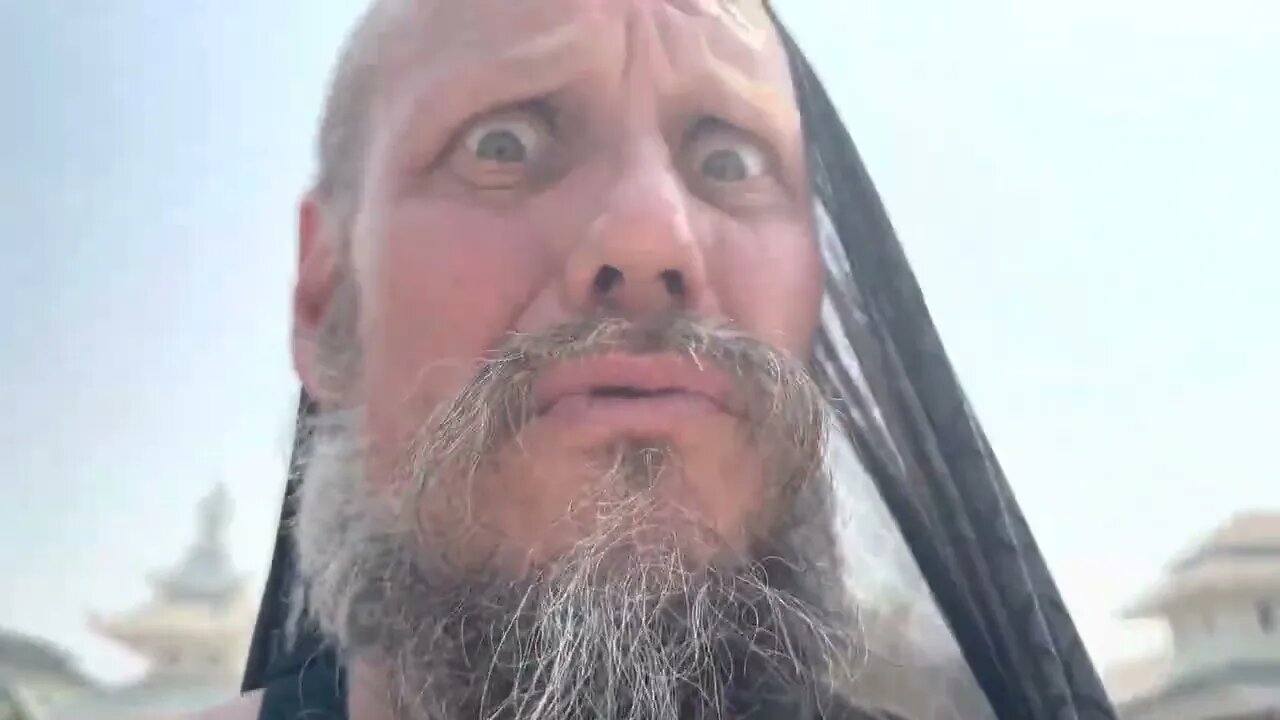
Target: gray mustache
785, 409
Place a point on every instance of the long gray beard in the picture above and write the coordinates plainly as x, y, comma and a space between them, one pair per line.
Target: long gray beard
620, 625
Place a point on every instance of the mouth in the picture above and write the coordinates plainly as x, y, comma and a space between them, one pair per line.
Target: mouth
637, 392
627, 392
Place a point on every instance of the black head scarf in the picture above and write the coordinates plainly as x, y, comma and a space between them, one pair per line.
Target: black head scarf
915, 436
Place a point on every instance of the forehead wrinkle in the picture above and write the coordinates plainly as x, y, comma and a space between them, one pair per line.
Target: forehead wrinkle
728, 12
474, 37
733, 80
455, 36
754, 67
554, 40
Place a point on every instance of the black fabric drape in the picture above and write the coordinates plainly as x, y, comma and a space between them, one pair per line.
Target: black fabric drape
928, 458
935, 470
271, 655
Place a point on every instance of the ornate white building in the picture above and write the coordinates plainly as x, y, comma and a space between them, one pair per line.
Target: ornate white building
193, 634
1222, 605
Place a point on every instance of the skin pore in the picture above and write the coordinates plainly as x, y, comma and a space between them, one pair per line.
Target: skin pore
556, 308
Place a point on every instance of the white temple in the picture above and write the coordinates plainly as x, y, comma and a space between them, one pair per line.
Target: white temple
193, 634
1222, 605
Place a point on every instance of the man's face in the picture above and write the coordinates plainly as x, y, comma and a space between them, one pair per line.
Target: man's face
532, 164
578, 447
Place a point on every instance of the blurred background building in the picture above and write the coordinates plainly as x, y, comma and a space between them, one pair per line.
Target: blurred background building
1221, 603
193, 635
36, 677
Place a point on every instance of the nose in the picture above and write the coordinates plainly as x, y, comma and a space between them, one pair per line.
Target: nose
640, 255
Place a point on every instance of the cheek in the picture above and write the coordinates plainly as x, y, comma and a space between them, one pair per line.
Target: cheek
441, 286
768, 277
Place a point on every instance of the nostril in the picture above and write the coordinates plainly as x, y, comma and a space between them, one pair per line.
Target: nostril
608, 277
674, 281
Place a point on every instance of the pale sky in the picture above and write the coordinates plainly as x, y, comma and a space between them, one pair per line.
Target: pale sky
1088, 191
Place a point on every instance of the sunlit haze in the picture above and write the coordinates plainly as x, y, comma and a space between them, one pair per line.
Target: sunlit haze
1086, 190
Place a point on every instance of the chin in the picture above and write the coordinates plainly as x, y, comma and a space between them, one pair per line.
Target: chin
634, 499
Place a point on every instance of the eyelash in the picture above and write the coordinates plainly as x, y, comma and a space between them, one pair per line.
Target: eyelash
705, 124
543, 108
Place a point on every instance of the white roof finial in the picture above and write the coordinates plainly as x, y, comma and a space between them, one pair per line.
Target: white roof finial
214, 517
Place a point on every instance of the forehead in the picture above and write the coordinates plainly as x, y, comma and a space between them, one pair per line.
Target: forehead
734, 35
747, 17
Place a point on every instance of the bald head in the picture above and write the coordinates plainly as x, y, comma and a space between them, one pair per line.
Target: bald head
344, 122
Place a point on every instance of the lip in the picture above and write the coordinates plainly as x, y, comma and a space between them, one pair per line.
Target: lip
641, 393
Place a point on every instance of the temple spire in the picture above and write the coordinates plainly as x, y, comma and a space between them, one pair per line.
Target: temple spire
198, 621
205, 574
214, 517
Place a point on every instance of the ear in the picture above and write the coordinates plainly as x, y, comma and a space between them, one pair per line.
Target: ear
318, 248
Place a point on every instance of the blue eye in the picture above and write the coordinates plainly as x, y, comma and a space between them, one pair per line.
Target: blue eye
727, 156
501, 146
505, 141
726, 166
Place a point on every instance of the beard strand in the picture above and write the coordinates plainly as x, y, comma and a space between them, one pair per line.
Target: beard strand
621, 625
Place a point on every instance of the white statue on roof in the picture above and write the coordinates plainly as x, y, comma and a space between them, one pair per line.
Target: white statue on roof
193, 633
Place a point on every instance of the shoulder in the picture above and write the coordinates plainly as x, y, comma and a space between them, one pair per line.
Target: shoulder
245, 707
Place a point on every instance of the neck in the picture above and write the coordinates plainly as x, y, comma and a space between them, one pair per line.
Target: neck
369, 693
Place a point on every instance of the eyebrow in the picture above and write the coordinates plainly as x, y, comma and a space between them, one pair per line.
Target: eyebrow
449, 98
767, 112
748, 103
